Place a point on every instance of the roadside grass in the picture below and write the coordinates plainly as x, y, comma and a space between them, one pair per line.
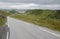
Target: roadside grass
3, 20
39, 20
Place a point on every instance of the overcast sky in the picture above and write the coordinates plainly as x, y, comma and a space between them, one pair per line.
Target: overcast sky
34, 1
29, 4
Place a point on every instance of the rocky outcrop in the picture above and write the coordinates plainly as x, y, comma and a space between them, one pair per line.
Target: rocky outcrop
1, 16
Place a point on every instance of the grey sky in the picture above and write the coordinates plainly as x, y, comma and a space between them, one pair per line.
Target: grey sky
34, 1
29, 4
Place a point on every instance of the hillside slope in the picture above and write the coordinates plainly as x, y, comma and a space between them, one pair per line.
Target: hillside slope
3, 15
45, 18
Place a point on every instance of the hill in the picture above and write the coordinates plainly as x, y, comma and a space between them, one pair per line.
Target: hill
44, 18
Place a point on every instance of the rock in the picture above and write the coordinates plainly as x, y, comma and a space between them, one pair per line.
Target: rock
1, 16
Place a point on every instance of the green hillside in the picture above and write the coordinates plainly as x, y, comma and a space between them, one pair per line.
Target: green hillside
45, 13
3, 15
44, 18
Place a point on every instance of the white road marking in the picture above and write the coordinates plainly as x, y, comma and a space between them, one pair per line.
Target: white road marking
7, 35
49, 32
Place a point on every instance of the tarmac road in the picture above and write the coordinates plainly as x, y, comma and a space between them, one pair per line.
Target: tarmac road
3, 34
23, 30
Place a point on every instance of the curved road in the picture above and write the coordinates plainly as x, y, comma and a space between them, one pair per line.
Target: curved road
23, 30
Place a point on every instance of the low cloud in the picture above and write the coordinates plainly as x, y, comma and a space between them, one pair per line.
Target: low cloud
18, 5
4, 5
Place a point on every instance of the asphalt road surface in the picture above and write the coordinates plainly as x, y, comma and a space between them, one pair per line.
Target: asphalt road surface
23, 30
3, 34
